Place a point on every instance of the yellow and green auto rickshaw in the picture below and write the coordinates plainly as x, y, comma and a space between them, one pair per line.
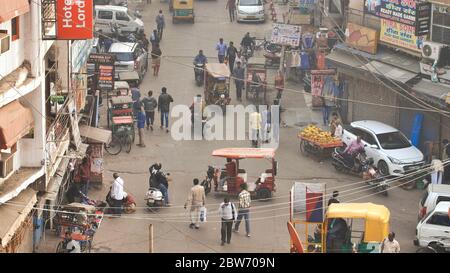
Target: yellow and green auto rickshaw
347, 228
183, 10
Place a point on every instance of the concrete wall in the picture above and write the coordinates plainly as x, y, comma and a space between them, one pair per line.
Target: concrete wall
14, 58
360, 89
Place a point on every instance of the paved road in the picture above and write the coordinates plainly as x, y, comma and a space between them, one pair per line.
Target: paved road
189, 159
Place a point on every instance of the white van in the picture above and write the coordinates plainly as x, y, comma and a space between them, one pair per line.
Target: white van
250, 10
105, 16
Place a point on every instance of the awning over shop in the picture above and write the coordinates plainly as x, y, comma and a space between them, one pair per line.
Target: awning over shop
12, 215
95, 134
15, 122
432, 92
389, 71
10, 9
341, 57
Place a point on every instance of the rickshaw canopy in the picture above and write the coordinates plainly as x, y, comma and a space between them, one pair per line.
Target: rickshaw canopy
376, 218
183, 4
240, 153
121, 85
218, 70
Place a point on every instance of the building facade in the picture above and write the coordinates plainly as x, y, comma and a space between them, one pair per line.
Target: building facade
387, 70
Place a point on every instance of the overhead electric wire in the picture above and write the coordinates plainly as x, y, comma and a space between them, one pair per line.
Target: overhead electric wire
188, 221
262, 84
357, 57
325, 195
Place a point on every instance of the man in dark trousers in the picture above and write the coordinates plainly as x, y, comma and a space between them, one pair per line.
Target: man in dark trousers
85, 175
164, 101
228, 214
231, 55
150, 105
231, 6
239, 74
160, 24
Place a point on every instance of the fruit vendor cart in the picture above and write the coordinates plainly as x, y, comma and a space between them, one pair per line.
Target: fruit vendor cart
318, 143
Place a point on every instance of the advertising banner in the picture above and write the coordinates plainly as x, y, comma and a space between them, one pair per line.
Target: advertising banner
401, 11
284, 34
423, 19
362, 38
400, 35
74, 20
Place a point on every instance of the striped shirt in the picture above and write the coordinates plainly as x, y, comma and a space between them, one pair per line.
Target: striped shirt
244, 200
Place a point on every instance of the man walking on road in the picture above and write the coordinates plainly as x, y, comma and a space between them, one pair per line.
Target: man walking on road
117, 194
150, 105
390, 245
141, 125
196, 200
160, 24
227, 212
231, 6
255, 127
231, 55
239, 74
164, 101
244, 209
221, 50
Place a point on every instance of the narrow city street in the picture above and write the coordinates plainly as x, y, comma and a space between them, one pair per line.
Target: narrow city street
186, 160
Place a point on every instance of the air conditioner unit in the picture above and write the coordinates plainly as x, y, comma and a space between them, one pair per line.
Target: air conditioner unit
431, 50
6, 165
4, 42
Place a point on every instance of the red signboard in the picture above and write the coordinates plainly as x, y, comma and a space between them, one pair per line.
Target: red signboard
74, 19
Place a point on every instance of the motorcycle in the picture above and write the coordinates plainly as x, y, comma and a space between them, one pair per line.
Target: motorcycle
154, 198
223, 101
362, 166
122, 36
199, 73
247, 52
374, 178
207, 183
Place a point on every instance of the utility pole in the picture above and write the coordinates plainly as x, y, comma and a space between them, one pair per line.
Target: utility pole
150, 238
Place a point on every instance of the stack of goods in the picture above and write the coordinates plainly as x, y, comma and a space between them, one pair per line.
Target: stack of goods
314, 134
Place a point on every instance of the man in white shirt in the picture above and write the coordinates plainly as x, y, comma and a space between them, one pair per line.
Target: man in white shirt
390, 245
117, 194
228, 214
255, 127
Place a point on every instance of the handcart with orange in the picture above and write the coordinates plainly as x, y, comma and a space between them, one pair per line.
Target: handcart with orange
317, 142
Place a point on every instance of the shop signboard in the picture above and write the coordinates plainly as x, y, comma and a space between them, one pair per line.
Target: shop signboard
74, 20
400, 35
362, 38
104, 70
401, 11
284, 34
423, 19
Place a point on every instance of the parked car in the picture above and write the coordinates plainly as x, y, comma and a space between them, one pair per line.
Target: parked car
106, 16
250, 10
130, 57
390, 149
434, 230
432, 196
123, 3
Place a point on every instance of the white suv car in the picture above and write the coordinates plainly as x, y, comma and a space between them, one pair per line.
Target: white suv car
391, 151
435, 228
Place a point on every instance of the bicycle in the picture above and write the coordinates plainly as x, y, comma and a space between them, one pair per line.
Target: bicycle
122, 139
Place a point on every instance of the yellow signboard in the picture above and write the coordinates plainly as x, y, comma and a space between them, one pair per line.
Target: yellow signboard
400, 35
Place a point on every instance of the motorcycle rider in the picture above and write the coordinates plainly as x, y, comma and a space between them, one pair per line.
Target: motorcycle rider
352, 150
200, 59
248, 42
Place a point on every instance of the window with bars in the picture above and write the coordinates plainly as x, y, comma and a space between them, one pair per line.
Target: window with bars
441, 25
